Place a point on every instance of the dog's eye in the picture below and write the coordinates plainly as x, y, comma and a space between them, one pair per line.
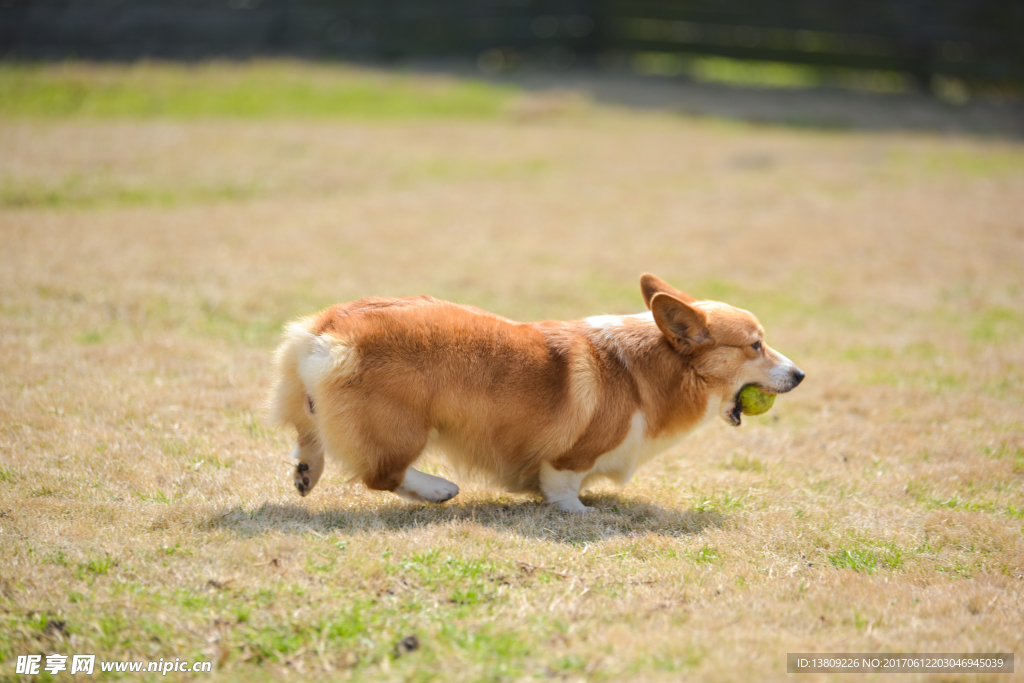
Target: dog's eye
756, 345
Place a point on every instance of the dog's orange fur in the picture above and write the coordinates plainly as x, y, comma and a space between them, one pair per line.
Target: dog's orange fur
375, 381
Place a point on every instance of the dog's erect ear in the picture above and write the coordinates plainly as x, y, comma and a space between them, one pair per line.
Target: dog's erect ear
685, 326
652, 284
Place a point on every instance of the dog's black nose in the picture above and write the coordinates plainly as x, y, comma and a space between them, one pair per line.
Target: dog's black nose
798, 376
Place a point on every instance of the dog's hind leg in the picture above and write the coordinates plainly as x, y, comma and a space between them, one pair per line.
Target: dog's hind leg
393, 436
310, 456
412, 484
392, 471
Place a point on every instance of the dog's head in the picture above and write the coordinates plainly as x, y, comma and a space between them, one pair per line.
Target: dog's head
724, 344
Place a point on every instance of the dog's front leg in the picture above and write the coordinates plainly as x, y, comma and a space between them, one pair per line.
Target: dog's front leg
310, 465
561, 488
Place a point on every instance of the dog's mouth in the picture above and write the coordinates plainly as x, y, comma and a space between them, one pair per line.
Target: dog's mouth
735, 416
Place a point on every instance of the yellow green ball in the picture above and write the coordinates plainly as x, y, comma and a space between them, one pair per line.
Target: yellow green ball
753, 401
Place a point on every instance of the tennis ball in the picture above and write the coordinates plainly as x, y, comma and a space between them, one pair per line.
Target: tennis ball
753, 401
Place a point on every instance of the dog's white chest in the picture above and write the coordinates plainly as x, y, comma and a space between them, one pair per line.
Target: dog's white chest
636, 449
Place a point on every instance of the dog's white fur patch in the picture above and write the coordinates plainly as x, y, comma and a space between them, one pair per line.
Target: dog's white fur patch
638, 448
561, 488
609, 322
782, 372
422, 487
606, 327
326, 358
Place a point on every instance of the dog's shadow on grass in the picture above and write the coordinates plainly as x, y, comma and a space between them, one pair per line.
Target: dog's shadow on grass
612, 516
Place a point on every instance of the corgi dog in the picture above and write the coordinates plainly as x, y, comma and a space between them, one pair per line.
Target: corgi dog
545, 407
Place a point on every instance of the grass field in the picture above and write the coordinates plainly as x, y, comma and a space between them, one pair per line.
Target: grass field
152, 246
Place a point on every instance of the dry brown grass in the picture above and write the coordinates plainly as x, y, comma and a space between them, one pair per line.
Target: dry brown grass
146, 511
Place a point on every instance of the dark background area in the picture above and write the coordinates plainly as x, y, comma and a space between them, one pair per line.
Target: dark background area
979, 41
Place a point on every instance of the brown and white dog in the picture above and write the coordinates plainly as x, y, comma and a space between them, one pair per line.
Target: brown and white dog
544, 407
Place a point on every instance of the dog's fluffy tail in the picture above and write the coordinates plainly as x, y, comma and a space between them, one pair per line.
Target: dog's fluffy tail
307, 367
289, 401
305, 364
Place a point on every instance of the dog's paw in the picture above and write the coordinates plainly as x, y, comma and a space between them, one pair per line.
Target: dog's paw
302, 481
426, 488
444, 491
572, 506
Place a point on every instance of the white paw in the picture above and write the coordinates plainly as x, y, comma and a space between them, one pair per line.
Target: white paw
426, 488
445, 490
561, 488
573, 506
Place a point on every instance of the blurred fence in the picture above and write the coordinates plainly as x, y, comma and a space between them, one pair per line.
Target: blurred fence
976, 40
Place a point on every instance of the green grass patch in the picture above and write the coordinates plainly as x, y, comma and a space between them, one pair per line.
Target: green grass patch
175, 549
78, 192
254, 330
95, 567
368, 630
60, 559
724, 501
704, 555
502, 652
211, 461
155, 497
89, 337
956, 569
775, 305
1015, 454
764, 74
936, 382
874, 352
997, 324
955, 502
963, 501
857, 559
673, 663
256, 89
474, 579
250, 423
970, 162
867, 556
744, 463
